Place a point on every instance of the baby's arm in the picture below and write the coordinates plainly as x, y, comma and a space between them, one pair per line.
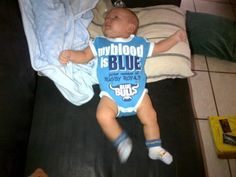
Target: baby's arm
83, 56
168, 43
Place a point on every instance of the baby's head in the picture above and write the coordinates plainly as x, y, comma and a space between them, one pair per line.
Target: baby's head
120, 23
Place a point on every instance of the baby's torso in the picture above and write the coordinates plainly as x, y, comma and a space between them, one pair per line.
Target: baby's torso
120, 68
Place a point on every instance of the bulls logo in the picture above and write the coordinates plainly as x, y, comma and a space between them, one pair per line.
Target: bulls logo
126, 91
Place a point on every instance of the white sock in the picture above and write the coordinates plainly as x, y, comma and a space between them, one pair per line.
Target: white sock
159, 153
123, 145
124, 149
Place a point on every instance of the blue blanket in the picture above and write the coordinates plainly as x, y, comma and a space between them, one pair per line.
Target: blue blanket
55, 25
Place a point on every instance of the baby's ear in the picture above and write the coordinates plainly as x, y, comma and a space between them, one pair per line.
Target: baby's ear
132, 28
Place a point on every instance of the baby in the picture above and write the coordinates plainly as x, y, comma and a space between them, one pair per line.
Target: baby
121, 57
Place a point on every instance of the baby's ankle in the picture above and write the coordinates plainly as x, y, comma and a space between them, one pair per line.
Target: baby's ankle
124, 146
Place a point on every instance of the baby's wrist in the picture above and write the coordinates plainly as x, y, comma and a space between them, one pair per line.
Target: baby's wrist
68, 55
177, 38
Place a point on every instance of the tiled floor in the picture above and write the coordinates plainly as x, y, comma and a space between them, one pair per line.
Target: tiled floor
213, 88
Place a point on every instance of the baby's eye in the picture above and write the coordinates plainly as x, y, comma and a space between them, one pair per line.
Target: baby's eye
115, 17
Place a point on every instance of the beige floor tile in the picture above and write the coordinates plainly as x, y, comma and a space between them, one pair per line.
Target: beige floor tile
220, 65
221, 9
202, 96
199, 63
224, 84
224, 88
232, 163
216, 167
187, 5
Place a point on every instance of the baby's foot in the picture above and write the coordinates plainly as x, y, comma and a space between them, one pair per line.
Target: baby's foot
159, 153
38, 173
124, 149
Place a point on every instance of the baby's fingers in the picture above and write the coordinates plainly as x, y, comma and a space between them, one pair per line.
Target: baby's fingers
63, 60
64, 57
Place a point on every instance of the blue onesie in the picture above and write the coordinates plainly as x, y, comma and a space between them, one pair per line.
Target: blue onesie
120, 70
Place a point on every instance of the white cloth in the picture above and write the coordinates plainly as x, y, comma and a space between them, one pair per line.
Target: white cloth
55, 25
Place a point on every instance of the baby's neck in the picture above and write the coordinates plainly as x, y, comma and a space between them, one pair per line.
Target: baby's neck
120, 37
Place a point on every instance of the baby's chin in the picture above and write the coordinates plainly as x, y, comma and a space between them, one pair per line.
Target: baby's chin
108, 34
112, 34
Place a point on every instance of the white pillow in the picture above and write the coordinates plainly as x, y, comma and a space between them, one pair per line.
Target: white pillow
157, 23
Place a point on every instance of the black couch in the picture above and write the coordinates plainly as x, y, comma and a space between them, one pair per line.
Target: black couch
40, 128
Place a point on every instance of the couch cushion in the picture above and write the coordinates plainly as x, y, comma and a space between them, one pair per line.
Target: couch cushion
17, 88
212, 35
66, 140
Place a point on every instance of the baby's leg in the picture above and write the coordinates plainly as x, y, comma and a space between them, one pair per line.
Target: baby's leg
148, 118
106, 117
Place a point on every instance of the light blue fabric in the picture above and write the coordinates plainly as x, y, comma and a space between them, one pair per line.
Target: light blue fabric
55, 25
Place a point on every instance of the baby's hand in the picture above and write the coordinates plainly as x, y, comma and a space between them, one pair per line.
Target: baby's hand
64, 56
181, 36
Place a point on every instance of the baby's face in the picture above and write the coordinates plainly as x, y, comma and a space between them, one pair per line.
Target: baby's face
117, 23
